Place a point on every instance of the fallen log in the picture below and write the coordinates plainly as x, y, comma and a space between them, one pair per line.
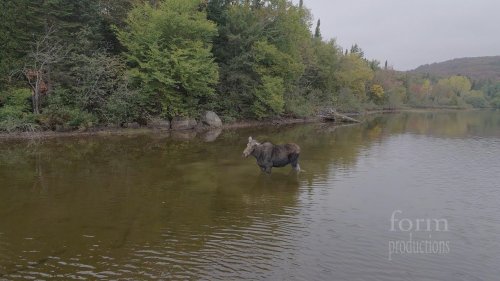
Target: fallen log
334, 116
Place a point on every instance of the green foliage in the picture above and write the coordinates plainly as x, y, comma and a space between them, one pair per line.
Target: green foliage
303, 104
16, 28
356, 50
317, 31
269, 97
395, 97
491, 89
476, 99
376, 92
268, 60
118, 61
239, 29
15, 112
457, 85
348, 102
274, 68
66, 118
18, 98
354, 74
323, 65
124, 106
169, 51
99, 80
495, 102
60, 113
454, 91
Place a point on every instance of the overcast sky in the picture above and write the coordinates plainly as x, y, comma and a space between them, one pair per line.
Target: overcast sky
409, 33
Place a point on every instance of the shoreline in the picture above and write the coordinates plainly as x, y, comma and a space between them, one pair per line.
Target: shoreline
107, 131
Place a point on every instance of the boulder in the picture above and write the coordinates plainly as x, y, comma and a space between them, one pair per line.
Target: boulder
211, 119
183, 123
158, 123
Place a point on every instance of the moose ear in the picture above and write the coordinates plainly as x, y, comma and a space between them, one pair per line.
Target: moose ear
249, 139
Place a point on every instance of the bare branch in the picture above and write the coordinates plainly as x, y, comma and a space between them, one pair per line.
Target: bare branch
47, 50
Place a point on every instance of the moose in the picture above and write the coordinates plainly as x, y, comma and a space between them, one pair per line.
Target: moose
269, 155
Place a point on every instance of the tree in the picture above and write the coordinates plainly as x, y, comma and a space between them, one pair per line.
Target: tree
355, 49
18, 27
458, 84
46, 52
169, 52
374, 65
324, 72
113, 13
317, 32
258, 42
377, 92
273, 68
450, 91
476, 99
354, 74
269, 97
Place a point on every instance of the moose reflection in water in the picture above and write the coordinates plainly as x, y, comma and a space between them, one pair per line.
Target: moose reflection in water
269, 155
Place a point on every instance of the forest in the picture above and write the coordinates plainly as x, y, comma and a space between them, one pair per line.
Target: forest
74, 65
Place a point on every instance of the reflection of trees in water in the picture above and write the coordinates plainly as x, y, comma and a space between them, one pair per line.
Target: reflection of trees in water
123, 193
446, 124
129, 191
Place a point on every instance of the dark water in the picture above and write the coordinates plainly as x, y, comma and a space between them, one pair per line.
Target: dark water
175, 208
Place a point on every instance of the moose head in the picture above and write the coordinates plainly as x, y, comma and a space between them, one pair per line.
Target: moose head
252, 144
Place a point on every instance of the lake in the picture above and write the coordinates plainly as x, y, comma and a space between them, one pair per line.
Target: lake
407, 196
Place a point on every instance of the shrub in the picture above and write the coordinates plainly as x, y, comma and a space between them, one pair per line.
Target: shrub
67, 118
15, 114
476, 99
347, 101
495, 102
61, 112
300, 104
124, 106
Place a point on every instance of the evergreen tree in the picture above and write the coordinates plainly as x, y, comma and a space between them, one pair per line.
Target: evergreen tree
317, 32
19, 25
355, 49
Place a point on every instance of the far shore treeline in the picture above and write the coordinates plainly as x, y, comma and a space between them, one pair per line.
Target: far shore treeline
80, 64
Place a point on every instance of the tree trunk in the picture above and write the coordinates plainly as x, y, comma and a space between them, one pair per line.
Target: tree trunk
338, 117
36, 94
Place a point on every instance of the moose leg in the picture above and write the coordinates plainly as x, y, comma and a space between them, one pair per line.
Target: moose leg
268, 169
294, 160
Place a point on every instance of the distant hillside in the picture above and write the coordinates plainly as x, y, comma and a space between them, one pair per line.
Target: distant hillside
478, 68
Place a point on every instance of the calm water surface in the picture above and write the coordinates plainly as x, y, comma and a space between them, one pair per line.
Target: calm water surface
179, 208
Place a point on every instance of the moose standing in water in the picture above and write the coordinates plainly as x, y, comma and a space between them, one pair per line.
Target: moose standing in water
269, 155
